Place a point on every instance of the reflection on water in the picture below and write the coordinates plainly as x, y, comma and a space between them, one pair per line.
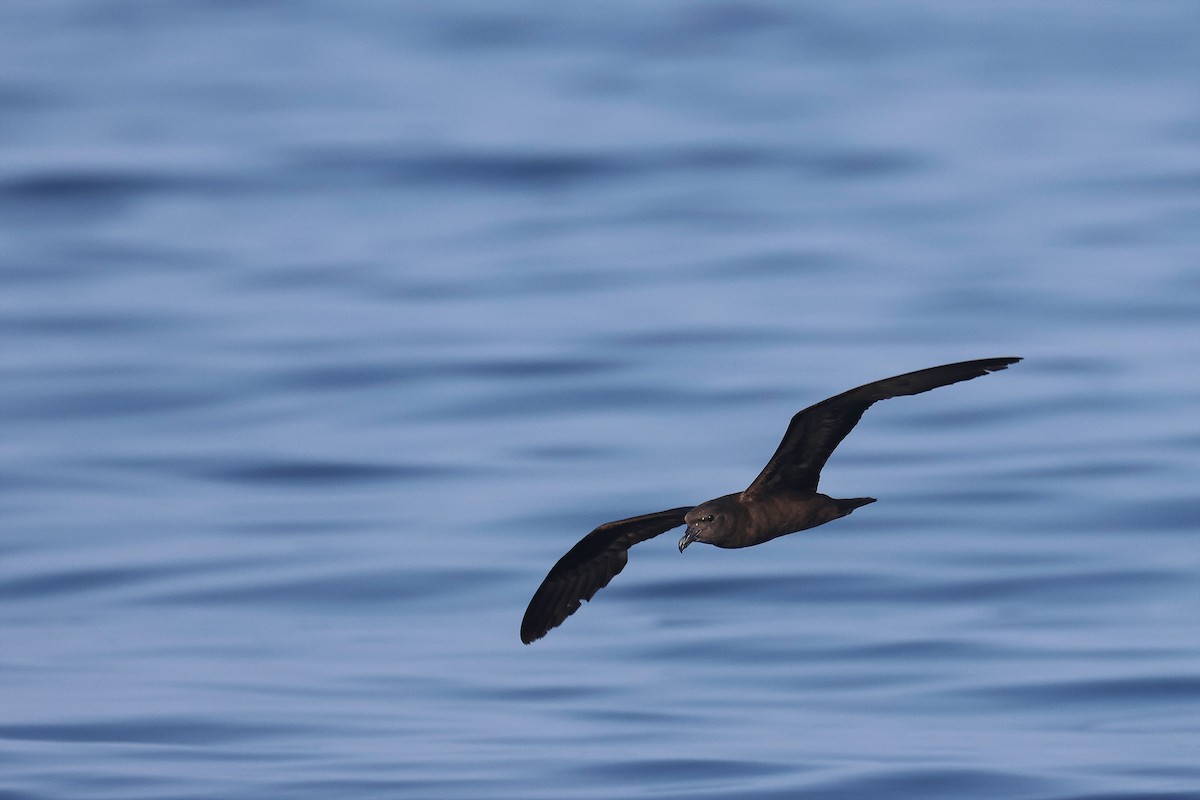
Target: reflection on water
325, 335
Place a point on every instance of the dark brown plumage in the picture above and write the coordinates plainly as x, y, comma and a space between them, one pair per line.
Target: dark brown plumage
782, 499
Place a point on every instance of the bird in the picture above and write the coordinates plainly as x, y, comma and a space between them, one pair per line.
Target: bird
783, 498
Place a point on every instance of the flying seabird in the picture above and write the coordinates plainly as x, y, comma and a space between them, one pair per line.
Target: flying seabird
783, 498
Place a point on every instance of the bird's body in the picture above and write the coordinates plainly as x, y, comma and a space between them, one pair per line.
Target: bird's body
747, 521
783, 498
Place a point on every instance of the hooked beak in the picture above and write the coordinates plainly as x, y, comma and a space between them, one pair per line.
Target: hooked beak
689, 536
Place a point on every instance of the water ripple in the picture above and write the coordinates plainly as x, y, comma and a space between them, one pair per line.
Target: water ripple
146, 730
321, 330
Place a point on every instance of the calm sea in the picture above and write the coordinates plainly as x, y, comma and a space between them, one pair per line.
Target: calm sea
326, 328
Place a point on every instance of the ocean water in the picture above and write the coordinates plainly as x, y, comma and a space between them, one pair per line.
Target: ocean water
326, 328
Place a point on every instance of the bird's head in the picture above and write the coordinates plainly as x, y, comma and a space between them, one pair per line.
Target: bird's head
706, 522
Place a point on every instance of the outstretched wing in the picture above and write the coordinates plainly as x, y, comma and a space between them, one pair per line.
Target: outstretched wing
817, 430
588, 567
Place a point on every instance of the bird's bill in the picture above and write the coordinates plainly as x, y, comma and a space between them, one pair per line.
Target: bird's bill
689, 536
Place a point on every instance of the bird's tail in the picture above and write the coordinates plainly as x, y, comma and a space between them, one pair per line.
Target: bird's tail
851, 503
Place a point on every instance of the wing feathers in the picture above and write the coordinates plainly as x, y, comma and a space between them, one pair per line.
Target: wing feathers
588, 567
814, 432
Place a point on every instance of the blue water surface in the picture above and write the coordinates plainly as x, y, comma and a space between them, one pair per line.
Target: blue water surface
326, 328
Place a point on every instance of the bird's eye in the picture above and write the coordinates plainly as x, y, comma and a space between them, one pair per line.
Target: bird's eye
708, 518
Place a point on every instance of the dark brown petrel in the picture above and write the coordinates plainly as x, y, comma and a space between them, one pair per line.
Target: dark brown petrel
783, 498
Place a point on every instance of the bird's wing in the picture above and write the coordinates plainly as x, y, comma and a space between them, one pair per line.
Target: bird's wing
814, 432
588, 567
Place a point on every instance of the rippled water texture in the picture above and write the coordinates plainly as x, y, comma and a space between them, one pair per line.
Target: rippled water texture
326, 328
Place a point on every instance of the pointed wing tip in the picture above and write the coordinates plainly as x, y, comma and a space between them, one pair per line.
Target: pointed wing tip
528, 636
535, 626
989, 365
531, 632
540, 618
